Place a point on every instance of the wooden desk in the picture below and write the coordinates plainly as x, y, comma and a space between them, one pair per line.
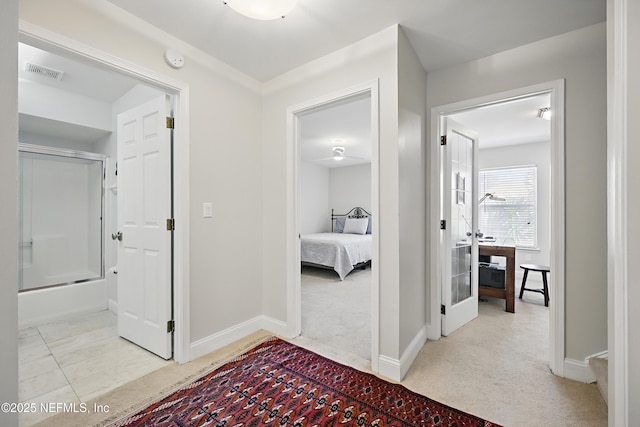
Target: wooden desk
508, 294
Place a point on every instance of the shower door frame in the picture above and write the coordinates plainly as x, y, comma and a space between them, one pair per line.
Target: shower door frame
74, 154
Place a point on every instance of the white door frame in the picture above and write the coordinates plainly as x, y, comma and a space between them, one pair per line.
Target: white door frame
557, 301
294, 298
621, 103
54, 42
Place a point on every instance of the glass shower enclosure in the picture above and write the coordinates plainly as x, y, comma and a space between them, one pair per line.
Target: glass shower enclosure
61, 216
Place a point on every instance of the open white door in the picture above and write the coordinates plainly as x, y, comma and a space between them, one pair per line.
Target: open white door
144, 207
458, 241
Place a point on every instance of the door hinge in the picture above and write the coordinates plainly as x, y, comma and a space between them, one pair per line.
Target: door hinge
171, 123
171, 326
443, 140
171, 224
443, 224
443, 310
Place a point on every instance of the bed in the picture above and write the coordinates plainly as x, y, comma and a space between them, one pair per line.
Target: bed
347, 247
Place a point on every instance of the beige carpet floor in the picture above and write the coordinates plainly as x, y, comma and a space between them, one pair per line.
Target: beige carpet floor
496, 367
337, 312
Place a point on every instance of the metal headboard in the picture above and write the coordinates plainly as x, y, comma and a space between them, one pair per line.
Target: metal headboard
356, 212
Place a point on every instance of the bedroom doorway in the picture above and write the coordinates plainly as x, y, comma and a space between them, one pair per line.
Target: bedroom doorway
551, 165
336, 177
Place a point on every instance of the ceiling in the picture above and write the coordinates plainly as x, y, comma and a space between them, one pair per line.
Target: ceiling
508, 123
513, 122
266, 49
346, 124
78, 77
442, 32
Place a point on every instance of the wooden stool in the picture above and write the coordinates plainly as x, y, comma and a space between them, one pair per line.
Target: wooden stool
544, 270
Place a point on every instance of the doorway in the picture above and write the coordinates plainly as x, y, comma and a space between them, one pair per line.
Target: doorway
141, 77
62, 46
555, 92
335, 181
365, 95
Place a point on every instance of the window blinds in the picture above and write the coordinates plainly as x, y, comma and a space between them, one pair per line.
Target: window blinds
512, 220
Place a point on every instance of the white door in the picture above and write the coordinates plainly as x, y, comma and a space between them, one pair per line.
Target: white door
458, 242
144, 247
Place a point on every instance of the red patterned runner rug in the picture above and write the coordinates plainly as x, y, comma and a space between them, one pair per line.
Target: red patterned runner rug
279, 384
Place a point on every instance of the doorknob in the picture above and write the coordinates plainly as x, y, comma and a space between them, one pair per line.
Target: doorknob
479, 234
117, 236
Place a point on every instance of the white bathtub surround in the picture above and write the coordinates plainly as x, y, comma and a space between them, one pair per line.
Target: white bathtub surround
50, 304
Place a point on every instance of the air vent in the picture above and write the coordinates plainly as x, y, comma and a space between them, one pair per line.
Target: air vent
43, 71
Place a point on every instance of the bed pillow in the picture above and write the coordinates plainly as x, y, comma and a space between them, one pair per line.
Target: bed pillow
356, 225
369, 226
339, 225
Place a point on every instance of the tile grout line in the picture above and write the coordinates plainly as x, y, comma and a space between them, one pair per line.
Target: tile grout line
58, 364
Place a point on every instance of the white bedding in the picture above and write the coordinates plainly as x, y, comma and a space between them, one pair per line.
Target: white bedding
337, 250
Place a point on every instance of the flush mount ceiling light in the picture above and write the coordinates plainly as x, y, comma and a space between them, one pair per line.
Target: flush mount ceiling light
338, 153
263, 10
544, 113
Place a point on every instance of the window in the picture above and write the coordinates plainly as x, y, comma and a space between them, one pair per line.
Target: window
513, 219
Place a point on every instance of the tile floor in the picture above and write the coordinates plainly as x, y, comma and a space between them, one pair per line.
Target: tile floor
77, 359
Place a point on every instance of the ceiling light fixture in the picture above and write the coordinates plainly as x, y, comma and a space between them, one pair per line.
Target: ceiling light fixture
544, 113
264, 10
338, 153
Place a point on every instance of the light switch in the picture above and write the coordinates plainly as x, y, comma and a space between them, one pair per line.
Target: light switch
207, 210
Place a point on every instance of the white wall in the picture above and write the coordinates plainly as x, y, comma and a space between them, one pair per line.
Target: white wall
323, 189
315, 213
350, 187
579, 57
537, 154
412, 193
9, 208
224, 156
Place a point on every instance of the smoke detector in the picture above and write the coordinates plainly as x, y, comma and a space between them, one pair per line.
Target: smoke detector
41, 70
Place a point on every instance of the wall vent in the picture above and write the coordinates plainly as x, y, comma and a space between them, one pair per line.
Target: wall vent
43, 71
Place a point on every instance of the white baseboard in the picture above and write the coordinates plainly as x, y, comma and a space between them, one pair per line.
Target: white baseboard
395, 369
218, 340
579, 370
389, 367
